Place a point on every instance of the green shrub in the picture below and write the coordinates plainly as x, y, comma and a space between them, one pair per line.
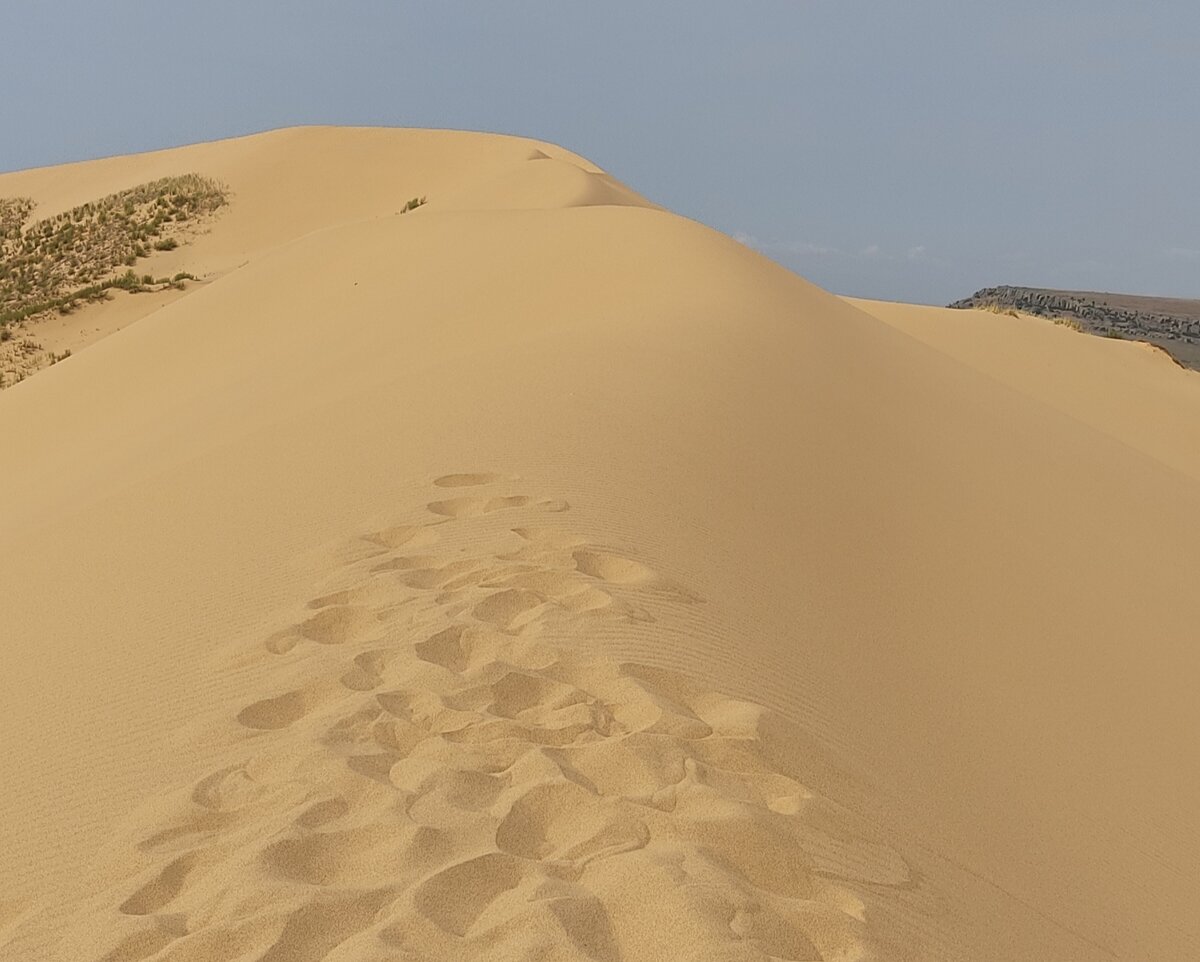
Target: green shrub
60, 261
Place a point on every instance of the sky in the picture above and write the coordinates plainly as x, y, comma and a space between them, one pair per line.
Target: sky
914, 151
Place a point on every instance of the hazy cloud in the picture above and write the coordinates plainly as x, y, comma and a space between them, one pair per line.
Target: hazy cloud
784, 247
871, 252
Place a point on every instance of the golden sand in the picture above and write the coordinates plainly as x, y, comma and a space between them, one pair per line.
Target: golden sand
538, 574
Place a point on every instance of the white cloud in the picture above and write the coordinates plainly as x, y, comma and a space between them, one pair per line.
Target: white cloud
783, 247
798, 248
802, 247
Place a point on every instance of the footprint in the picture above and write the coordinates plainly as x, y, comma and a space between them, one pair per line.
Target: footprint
612, 568
366, 674
403, 535
564, 822
518, 692
450, 648
328, 858
281, 642
776, 938
456, 574
354, 728
437, 785
226, 790
271, 714
456, 897
634, 767
324, 922
160, 890
408, 563
398, 737
637, 709
508, 609
474, 507
339, 624
466, 480
427, 710
752, 843
322, 813
564, 588
588, 599
552, 538
204, 824
376, 766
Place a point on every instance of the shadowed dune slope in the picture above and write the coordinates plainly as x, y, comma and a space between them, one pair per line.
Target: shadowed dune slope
539, 574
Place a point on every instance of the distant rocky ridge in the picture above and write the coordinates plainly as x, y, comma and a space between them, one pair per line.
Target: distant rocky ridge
1171, 323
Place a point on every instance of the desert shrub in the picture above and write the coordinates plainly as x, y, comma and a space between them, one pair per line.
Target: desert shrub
995, 307
56, 263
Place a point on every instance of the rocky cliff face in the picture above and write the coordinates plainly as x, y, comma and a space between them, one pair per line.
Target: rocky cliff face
1172, 323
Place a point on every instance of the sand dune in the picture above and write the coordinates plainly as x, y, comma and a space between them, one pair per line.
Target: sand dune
1131, 391
539, 574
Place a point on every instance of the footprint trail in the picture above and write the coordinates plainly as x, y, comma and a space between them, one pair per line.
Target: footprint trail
469, 781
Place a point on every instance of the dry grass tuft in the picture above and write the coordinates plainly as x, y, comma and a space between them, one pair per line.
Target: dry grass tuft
71, 258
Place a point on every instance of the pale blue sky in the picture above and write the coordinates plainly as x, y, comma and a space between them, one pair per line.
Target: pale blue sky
910, 151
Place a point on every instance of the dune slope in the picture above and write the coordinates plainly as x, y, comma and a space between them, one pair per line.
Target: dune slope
540, 574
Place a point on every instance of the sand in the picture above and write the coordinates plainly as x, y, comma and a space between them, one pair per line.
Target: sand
540, 574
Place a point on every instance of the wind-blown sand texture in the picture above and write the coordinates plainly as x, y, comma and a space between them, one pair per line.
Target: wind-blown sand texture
540, 575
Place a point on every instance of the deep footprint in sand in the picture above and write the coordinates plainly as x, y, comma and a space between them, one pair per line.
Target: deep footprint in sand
339, 624
451, 648
161, 889
271, 714
474, 507
365, 673
226, 790
509, 609
403, 535
456, 897
612, 567
562, 821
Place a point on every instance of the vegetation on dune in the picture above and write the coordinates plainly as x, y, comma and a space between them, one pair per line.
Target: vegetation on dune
1170, 323
412, 204
997, 308
73, 257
